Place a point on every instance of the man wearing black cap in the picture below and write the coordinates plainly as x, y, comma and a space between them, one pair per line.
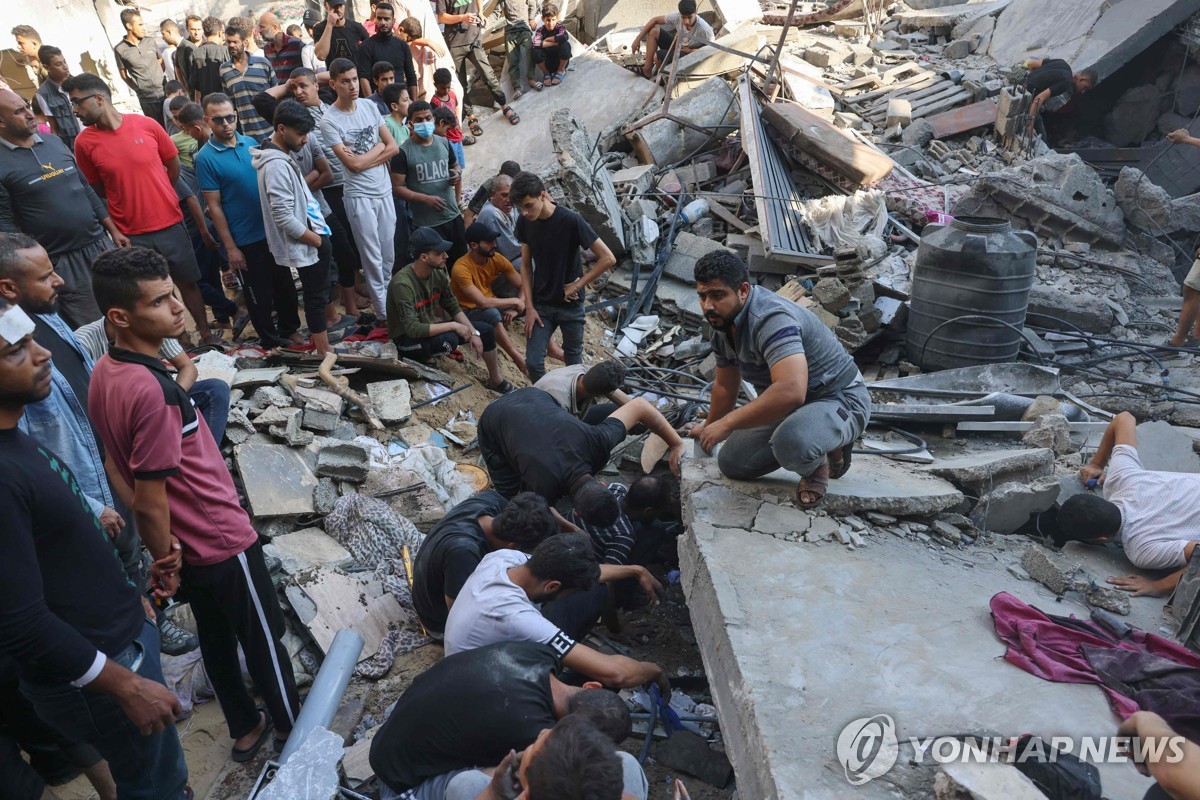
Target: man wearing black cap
413, 298
308, 55
337, 37
475, 279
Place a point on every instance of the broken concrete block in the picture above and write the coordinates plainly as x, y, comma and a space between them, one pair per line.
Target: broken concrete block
392, 400
636, 180
899, 112
274, 415
276, 396
414, 435
322, 409
918, 134
1164, 448
249, 378
980, 471
880, 485
1050, 570
860, 54
1088, 312
1134, 115
1042, 405
1052, 431
325, 495
291, 432
708, 106
1010, 505
827, 56
347, 461
690, 753
831, 293
720, 506
848, 29
238, 427
307, 548
419, 505
688, 249
959, 48
277, 480
588, 188
983, 781
821, 528
777, 520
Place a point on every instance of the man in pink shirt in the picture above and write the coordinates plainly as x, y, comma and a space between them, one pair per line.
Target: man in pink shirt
164, 462
131, 162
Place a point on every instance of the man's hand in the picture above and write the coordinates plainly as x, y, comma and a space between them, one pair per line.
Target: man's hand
433, 201
337, 16
664, 686
531, 319
1089, 472
650, 586
1176, 137
455, 176
165, 584
710, 434
237, 261
120, 239
111, 522
508, 316
209, 240
676, 454
1139, 586
476, 344
149, 705
506, 783
571, 290
148, 607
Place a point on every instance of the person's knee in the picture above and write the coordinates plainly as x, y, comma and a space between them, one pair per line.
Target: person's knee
487, 335
733, 466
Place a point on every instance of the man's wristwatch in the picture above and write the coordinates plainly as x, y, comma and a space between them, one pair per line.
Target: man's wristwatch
474, 333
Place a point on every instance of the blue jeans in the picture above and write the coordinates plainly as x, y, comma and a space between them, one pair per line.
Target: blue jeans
144, 767
570, 319
211, 397
210, 285
460, 153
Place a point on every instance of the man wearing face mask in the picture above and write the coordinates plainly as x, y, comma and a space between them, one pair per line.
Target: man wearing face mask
426, 175
812, 402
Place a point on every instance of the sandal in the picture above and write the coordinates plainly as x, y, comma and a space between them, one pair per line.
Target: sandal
213, 340
839, 461
473, 124
816, 485
468, 140
503, 387
536, 84
559, 77
552, 79
510, 115
242, 756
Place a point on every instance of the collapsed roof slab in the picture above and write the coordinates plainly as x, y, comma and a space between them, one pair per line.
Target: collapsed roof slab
1099, 34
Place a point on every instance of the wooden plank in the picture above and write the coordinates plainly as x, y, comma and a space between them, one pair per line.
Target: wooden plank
857, 83
960, 120
912, 96
927, 102
728, 216
903, 94
865, 96
944, 104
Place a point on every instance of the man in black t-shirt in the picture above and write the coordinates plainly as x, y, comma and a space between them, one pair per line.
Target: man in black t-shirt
470, 709
529, 442
204, 76
67, 614
551, 238
484, 522
1053, 83
337, 37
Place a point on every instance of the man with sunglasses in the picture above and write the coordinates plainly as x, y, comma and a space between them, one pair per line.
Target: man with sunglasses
131, 161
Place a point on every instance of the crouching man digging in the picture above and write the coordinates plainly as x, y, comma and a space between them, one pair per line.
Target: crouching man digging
812, 402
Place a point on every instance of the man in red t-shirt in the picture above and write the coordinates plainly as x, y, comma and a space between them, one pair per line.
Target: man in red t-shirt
164, 462
123, 158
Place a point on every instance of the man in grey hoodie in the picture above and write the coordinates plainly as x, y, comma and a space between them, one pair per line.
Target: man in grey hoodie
296, 230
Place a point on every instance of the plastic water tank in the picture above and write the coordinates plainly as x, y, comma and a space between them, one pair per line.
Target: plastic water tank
978, 267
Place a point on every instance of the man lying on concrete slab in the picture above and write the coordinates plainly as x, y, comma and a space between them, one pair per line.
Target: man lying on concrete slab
499, 603
483, 523
1152, 514
449, 721
530, 442
812, 401
577, 388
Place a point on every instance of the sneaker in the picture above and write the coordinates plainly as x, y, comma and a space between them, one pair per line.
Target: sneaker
175, 640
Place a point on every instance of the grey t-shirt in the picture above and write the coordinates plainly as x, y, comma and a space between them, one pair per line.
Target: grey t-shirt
426, 169
359, 132
769, 329
508, 245
700, 34
141, 65
560, 384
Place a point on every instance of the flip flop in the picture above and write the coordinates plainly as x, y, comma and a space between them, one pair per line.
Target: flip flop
552, 79
817, 484
473, 124
536, 84
468, 140
346, 321
242, 756
510, 115
839, 461
503, 387
559, 77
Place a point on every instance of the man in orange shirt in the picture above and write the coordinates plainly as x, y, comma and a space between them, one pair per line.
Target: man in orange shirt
473, 278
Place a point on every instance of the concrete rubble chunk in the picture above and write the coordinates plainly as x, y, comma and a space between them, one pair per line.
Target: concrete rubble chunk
918, 134
959, 48
1134, 115
822, 528
420, 506
720, 506
980, 470
325, 495
238, 427
1042, 405
899, 112
690, 753
1051, 431
877, 484
708, 106
1144, 203
307, 548
291, 432
831, 293
983, 781
588, 188
346, 461
690, 248
277, 480
276, 396
392, 400
1060, 574
777, 520
1010, 505
311, 772
249, 378
274, 415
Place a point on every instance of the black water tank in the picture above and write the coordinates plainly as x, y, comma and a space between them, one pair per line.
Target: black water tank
973, 266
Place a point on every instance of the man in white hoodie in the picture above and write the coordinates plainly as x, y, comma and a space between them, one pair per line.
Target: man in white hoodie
296, 230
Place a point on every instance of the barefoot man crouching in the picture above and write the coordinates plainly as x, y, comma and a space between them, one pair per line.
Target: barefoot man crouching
812, 402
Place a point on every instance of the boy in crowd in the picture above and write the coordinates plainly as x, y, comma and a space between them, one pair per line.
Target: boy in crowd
552, 46
424, 52
551, 239
444, 96
383, 74
660, 33
473, 278
445, 125
160, 453
396, 98
417, 293
52, 99
363, 144
426, 175
174, 91
626, 541
184, 142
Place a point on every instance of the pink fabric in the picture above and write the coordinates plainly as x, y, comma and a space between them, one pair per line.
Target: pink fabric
1050, 647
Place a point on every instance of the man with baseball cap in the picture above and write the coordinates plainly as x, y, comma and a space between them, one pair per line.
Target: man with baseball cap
415, 295
476, 279
338, 37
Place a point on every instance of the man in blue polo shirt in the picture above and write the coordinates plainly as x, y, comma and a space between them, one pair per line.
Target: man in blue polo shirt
230, 185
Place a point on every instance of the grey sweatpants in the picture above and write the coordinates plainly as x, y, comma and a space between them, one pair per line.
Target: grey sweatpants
800, 440
76, 303
467, 784
373, 222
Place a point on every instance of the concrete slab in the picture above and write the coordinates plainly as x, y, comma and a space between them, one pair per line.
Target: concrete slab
1166, 448
874, 483
978, 470
306, 548
277, 480
800, 640
597, 92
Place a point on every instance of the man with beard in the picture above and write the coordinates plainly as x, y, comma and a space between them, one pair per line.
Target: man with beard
88, 655
137, 58
186, 49
243, 76
812, 402
384, 46
283, 51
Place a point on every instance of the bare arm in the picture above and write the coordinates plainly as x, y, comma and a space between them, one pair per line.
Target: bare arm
472, 294
123, 490
185, 371
172, 165
362, 163
645, 31
1183, 136
236, 259
617, 672
641, 411
201, 221
605, 260
1122, 430
401, 190
320, 175
321, 47
1175, 763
